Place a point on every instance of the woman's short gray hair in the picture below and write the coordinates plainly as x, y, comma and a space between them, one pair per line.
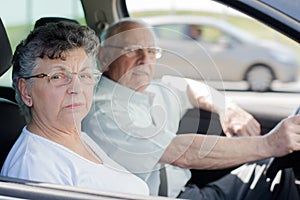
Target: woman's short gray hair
50, 40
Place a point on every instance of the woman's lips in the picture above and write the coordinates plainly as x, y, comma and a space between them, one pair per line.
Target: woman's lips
74, 105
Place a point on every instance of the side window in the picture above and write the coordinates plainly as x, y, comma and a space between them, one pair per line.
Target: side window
20, 20
211, 34
235, 42
169, 31
197, 32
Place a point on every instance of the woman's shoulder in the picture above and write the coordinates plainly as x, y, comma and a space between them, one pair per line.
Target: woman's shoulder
31, 149
35, 158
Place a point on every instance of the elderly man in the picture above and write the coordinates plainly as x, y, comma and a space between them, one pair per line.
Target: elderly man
135, 120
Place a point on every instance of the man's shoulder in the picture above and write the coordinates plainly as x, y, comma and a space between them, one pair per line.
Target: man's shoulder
163, 88
159, 85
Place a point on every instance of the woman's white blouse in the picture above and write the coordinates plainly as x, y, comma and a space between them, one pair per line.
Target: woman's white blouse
39, 159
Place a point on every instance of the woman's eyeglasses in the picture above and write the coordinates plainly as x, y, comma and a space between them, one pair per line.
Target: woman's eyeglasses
65, 77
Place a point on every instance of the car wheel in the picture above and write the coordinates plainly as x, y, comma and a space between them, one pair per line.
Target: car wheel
259, 78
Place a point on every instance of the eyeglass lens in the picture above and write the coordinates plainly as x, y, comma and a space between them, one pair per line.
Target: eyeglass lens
154, 52
65, 77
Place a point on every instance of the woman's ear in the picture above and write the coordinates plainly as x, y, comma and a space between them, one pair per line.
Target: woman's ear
23, 87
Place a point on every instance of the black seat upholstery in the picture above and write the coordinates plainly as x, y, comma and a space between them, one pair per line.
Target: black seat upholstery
11, 120
45, 20
11, 126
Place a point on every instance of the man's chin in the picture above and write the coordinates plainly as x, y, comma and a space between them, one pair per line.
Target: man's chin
141, 85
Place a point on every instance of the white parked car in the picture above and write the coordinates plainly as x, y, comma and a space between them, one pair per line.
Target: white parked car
205, 48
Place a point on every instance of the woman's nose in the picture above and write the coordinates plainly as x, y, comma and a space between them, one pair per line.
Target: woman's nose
75, 85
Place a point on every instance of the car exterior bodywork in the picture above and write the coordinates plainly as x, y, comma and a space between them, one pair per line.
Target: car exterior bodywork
223, 52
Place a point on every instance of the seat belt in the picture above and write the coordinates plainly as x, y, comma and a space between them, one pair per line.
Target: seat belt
163, 186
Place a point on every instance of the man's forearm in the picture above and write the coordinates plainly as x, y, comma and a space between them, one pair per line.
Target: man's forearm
213, 152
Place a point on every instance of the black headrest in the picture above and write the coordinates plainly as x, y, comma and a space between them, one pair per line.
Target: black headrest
44, 20
6, 52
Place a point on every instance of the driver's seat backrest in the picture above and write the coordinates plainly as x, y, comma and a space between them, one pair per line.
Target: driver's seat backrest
11, 120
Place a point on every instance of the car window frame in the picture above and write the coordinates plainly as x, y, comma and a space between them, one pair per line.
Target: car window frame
281, 22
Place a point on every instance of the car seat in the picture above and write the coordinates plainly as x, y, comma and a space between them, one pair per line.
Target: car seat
11, 120
45, 20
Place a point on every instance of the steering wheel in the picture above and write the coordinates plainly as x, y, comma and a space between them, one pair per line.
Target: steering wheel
289, 161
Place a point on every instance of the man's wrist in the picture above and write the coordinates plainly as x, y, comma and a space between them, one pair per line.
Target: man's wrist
266, 148
227, 105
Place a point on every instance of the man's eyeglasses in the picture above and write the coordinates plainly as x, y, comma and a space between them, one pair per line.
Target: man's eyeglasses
136, 50
64, 77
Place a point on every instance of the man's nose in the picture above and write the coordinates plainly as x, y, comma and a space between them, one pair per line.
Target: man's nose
145, 55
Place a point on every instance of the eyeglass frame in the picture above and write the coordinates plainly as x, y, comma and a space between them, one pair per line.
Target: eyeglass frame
134, 48
69, 76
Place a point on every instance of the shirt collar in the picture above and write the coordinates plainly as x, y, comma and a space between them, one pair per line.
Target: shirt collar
108, 88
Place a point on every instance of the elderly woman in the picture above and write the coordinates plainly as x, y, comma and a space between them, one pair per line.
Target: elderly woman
54, 74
